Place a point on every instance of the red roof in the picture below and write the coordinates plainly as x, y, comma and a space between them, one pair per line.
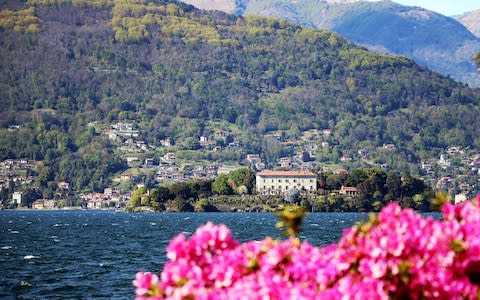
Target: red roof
286, 173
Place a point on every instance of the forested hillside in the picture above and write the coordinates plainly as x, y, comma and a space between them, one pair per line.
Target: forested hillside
170, 68
430, 39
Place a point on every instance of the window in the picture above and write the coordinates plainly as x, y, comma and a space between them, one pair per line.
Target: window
279, 180
294, 180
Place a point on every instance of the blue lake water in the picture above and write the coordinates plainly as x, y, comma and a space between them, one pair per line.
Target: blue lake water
96, 254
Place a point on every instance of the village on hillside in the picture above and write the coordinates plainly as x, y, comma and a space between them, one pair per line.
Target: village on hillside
455, 171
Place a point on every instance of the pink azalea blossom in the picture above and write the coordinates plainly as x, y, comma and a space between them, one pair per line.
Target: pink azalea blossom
398, 254
145, 282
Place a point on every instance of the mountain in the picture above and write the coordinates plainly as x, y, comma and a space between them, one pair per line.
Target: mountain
436, 41
471, 20
239, 6
228, 6
72, 70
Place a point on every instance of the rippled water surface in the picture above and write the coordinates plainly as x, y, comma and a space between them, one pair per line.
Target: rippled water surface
95, 254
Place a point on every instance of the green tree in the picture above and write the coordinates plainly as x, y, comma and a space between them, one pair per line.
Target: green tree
160, 197
221, 186
183, 190
45, 175
136, 198
239, 177
394, 185
203, 187
333, 182
412, 186
145, 200
163, 194
203, 205
180, 204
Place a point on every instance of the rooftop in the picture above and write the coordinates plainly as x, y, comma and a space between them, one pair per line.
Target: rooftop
286, 173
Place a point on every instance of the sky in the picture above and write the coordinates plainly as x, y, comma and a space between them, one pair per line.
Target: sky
445, 7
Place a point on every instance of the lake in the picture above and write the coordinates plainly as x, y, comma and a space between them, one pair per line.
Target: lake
96, 254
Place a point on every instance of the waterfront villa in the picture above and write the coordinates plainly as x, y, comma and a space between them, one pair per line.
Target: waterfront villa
349, 191
277, 182
44, 204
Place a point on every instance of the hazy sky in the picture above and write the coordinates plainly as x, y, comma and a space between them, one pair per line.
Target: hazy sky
445, 7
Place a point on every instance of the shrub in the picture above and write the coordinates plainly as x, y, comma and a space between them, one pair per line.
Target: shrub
397, 254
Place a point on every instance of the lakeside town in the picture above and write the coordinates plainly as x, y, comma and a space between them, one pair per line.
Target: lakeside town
455, 171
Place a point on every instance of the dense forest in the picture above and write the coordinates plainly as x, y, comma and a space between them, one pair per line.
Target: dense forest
436, 41
170, 69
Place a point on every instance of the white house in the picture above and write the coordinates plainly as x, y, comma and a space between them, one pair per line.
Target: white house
444, 160
95, 204
125, 129
108, 191
276, 182
112, 136
149, 162
170, 156
17, 197
166, 142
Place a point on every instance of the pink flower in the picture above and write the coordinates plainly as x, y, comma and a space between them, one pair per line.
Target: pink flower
399, 254
145, 283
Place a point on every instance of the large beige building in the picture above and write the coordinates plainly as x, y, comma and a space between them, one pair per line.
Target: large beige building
278, 182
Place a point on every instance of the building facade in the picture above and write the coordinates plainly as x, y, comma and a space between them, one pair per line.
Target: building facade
348, 191
279, 182
17, 198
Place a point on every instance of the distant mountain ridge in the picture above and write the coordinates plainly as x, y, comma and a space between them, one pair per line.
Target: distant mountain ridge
239, 6
471, 20
431, 39
228, 6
